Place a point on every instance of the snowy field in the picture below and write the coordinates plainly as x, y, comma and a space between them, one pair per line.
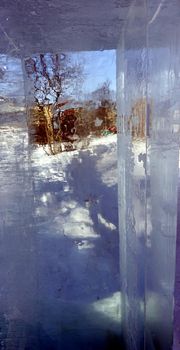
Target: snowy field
59, 244
76, 215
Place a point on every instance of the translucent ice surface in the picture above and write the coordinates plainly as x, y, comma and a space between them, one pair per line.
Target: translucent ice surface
148, 118
88, 225
60, 286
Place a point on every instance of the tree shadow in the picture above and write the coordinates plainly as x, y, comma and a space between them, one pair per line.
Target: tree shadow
91, 192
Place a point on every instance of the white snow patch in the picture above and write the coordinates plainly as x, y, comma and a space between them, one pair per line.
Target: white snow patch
46, 197
81, 230
72, 219
69, 204
80, 215
85, 244
98, 122
107, 224
109, 307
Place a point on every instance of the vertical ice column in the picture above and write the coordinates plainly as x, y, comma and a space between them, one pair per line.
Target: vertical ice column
148, 120
131, 100
162, 172
17, 268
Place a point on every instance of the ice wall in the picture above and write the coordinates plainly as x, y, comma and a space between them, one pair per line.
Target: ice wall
176, 339
17, 272
58, 236
148, 120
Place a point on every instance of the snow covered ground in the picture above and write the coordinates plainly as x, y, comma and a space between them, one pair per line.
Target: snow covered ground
59, 246
76, 216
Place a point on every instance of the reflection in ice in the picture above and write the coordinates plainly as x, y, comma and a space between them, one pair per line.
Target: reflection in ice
64, 247
59, 252
59, 236
68, 105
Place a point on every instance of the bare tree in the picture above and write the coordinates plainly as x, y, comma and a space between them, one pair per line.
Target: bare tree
52, 76
103, 93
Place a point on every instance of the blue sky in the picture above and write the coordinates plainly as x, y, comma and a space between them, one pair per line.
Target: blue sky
99, 66
12, 84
